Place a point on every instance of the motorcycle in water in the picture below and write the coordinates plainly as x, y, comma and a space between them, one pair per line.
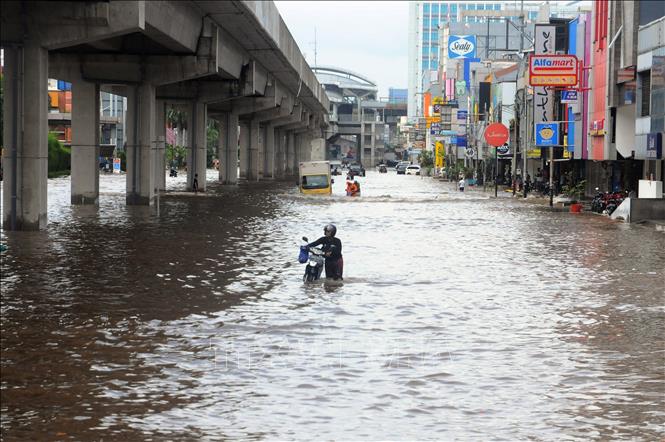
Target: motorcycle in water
173, 172
314, 259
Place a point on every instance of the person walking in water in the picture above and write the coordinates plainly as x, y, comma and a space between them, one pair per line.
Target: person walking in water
461, 184
332, 249
195, 183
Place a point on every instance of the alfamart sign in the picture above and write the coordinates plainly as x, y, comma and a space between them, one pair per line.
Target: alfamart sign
462, 46
553, 70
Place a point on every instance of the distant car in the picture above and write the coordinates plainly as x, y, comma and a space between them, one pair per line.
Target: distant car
391, 163
357, 169
401, 169
413, 170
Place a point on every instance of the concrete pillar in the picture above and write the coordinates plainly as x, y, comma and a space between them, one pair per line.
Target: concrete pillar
361, 154
280, 166
269, 153
196, 154
228, 149
85, 142
160, 145
244, 149
25, 161
290, 153
253, 157
140, 144
373, 141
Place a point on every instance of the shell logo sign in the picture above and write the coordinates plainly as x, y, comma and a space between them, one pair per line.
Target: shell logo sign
553, 70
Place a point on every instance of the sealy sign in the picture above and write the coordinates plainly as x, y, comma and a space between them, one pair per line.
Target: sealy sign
553, 70
462, 46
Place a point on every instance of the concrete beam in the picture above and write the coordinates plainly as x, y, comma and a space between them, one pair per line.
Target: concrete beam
302, 123
254, 79
71, 23
206, 91
113, 68
174, 25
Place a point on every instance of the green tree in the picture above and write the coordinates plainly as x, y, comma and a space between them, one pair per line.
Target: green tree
59, 158
212, 137
426, 159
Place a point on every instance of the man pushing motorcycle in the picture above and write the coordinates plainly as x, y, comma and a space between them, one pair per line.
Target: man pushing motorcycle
332, 250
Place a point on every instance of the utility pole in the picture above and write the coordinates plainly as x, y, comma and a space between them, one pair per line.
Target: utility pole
525, 101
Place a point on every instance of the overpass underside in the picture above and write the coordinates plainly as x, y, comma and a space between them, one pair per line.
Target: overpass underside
234, 62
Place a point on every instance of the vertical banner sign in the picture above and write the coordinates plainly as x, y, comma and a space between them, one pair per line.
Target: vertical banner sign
543, 100
440, 152
116, 165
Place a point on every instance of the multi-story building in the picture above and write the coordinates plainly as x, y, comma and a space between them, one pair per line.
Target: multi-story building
356, 112
427, 19
112, 116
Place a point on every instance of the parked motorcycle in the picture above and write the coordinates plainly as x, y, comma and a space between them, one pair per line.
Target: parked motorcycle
314, 259
607, 202
173, 172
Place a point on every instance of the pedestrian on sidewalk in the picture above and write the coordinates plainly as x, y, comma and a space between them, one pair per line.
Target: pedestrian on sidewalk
195, 183
461, 185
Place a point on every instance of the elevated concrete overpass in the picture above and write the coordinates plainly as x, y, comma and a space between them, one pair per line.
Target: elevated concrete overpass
234, 61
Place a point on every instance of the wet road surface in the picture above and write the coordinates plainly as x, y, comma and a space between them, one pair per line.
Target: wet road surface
460, 317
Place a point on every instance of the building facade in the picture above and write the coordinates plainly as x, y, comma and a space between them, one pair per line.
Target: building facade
427, 19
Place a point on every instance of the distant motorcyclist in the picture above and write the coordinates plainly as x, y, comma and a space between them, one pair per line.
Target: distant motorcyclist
352, 188
332, 250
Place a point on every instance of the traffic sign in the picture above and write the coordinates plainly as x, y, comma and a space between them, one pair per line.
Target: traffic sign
496, 134
470, 152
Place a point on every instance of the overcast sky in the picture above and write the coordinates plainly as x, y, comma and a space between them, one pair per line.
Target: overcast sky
370, 38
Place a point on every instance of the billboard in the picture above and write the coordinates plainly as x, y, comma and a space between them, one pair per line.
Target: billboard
462, 46
543, 100
552, 70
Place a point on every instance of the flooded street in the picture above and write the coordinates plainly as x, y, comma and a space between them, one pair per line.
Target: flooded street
460, 317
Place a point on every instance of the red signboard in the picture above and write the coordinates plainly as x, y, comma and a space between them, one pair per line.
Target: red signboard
553, 70
496, 134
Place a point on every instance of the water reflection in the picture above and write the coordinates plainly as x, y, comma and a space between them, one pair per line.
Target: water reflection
459, 317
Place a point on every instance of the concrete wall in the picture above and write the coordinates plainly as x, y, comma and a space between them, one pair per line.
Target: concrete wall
647, 209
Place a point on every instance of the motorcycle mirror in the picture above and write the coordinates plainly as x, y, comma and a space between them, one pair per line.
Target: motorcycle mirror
304, 238
332, 181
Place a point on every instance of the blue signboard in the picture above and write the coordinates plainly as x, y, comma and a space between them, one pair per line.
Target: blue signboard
462, 115
460, 141
547, 134
655, 145
462, 46
568, 96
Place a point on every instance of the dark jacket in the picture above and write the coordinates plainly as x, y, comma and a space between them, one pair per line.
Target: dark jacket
330, 244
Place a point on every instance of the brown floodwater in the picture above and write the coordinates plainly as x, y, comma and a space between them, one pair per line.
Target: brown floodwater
460, 317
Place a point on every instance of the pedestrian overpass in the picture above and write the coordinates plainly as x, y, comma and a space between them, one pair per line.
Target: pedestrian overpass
233, 61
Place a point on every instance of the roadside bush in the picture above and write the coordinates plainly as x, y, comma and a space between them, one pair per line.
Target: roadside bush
123, 160
59, 158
